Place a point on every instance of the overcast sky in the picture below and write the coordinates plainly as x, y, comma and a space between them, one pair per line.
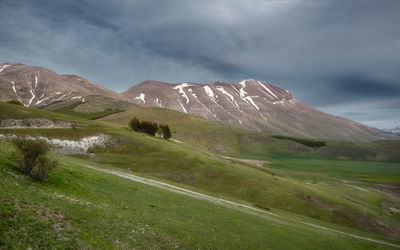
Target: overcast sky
342, 57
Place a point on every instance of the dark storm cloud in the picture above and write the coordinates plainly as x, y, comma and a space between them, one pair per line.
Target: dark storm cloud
360, 87
330, 54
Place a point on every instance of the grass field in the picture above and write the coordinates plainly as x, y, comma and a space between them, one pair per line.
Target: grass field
69, 110
83, 208
295, 182
235, 142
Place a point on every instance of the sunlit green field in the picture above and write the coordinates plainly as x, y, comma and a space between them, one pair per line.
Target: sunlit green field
82, 208
296, 181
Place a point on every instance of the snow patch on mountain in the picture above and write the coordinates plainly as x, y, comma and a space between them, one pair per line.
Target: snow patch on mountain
13, 87
267, 89
204, 106
15, 92
184, 110
243, 83
247, 99
3, 67
42, 100
395, 130
182, 91
36, 81
229, 97
210, 94
159, 102
141, 98
33, 97
250, 99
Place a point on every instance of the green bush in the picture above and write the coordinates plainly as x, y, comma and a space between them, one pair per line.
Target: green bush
15, 102
32, 158
44, 166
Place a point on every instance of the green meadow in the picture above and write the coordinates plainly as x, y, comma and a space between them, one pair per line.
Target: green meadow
79, 207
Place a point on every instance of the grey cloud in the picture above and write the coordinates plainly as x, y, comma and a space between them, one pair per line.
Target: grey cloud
327, 52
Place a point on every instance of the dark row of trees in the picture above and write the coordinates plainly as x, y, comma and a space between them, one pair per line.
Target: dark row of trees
150, 128
308, 142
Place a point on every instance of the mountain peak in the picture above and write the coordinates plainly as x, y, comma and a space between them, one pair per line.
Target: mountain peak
35, 86
249, 104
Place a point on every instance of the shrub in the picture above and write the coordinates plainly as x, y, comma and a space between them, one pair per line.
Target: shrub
14, 102
306, 142
44, 166
32, 157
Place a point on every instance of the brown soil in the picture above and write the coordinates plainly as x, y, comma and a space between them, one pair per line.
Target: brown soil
257, 163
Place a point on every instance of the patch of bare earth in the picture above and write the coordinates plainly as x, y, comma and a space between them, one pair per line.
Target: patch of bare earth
257, 163
390, 189
363, 221
318, 202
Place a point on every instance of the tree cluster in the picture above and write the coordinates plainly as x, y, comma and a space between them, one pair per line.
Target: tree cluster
166, 132
307, 142
32, 158
149, 127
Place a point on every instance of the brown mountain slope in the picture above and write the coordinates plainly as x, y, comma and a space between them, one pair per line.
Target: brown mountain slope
251, 104
36, 86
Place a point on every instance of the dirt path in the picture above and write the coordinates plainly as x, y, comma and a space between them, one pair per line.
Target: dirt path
390, 189
235, 205
257, 163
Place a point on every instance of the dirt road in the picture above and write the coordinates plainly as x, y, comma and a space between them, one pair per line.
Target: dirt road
235, 205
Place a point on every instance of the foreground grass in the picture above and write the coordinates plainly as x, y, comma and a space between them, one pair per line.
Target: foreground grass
83, 208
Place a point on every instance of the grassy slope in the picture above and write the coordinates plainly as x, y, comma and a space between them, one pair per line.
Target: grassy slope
69, 110
248, 144
327, 200
82, 208
65, 212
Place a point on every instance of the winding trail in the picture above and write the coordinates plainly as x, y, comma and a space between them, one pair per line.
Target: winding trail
230, 204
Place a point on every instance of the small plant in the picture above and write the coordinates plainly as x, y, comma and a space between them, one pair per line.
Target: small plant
32, 158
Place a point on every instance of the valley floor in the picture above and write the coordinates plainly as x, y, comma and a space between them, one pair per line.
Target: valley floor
86, 205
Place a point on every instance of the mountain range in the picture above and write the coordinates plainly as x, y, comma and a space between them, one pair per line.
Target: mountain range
395, 130
248, 104
37, 86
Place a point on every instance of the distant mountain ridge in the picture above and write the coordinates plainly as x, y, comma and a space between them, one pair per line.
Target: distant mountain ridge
248, 104
37, 86
253, 105
395, 130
